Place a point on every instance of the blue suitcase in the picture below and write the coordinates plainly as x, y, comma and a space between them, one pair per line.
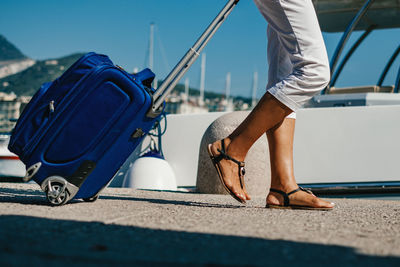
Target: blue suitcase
78, 130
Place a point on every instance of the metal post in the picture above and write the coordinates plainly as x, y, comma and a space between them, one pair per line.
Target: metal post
349, 54
346, 35
397, 84
388, 66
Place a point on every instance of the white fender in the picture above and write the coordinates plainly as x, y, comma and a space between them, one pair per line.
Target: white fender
150, 173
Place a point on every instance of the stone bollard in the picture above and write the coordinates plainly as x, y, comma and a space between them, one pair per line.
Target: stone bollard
258, 171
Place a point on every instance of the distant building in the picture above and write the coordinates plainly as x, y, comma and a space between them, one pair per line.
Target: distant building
181, 105
11, 107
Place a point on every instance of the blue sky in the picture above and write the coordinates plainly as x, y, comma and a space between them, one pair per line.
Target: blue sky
120, 28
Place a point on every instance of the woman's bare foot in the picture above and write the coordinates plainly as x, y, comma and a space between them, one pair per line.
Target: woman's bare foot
297, 199
229, 171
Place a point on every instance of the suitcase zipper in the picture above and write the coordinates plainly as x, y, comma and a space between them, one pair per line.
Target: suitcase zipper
37, 137
51, 110
20, 127
72, 68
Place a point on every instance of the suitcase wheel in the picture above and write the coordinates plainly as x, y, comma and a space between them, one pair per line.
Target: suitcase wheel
91, 199
58, 190
57, 194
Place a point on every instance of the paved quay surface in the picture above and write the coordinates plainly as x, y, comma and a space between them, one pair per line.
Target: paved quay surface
128, 227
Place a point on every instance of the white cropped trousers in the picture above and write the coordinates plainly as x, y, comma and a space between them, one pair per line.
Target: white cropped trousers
297, 58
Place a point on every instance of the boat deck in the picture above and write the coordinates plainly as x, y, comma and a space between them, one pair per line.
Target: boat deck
150, 228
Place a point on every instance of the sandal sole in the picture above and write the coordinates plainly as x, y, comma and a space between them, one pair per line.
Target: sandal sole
220, 176
293, 207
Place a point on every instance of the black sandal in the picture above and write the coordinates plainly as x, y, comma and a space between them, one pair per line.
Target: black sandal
286, 200
221, 156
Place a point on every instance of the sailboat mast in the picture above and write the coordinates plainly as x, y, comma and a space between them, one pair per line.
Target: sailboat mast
228, 86
254, 89
186, 90
202, 78
150, 64
151, 47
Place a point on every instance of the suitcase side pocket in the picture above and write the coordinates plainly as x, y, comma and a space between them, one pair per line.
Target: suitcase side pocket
32, 121
29, 122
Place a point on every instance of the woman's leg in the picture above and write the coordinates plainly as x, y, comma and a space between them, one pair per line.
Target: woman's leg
298, 33
280, 140
268, 113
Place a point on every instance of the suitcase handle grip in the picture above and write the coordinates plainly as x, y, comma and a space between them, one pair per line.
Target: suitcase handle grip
187, 61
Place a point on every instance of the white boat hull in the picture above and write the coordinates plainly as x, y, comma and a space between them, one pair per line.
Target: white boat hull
11, 167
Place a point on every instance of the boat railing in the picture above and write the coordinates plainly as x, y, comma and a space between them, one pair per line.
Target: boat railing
336, 67
362, 89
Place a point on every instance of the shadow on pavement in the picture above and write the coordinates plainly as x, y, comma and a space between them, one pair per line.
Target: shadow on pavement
174, 202
22, 196
26, 197
37, 197
5, 179
36, 241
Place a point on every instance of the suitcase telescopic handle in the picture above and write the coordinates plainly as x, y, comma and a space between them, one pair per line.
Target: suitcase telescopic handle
187, 61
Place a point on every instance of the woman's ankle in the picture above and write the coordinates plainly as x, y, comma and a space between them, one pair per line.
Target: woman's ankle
235, 149
284, 186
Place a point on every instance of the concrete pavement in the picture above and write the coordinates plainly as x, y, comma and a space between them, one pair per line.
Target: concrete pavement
148, 228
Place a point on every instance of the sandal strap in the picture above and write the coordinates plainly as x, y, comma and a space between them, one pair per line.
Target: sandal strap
286, 200
285, 196
223, 155
300, 189
294, 191
306, 190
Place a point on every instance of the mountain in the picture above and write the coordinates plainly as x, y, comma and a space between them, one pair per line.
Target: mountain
8, 51
27, 82
35, 73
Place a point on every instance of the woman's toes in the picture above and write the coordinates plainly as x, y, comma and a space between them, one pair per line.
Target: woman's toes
247, 196
326, 204
319, 203
239, 194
